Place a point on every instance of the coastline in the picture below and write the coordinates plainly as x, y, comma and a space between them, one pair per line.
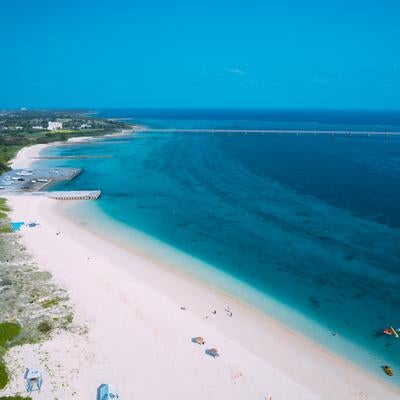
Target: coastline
28, 155
259, 358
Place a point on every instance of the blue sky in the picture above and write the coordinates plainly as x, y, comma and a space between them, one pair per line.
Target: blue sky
210, 53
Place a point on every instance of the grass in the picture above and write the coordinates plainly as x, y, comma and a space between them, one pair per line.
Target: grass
51, 302
15, 398
74, 131
3, 375
8, 331
3, 205
3, 208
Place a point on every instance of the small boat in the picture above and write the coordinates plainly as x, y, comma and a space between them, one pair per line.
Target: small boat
387, 370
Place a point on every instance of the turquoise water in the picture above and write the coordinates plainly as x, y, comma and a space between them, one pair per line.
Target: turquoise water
310, 225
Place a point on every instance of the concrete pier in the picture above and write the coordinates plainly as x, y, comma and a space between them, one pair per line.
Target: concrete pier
34, 179
34, 182
75, 195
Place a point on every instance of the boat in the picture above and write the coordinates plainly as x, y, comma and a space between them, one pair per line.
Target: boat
391, 331
387, 370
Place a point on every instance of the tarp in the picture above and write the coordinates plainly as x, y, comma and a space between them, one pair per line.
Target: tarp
16, 226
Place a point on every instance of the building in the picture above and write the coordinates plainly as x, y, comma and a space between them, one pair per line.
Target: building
53, 125
85, 126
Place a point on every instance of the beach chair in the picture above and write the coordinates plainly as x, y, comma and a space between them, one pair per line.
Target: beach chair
212, 352
198, 340
107, 392
33, 380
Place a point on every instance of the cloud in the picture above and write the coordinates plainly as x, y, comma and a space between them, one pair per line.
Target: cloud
236, 71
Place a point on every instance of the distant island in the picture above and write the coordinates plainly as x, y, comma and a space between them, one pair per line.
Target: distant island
20, 128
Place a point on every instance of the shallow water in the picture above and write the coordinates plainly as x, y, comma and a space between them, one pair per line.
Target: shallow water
312, 223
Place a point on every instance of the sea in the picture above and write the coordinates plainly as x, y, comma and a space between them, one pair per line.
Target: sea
302, 227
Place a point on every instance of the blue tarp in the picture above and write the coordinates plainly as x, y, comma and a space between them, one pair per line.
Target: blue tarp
16, 226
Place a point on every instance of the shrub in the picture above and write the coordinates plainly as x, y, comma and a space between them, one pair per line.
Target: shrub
8, 331
45, 327
3, 375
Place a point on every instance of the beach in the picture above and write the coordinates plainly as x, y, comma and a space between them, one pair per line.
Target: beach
140, 316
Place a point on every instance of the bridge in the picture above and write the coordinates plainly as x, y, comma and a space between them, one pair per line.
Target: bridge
277, 131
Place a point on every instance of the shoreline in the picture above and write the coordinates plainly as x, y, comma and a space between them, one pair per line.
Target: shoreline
259, 357
26, 156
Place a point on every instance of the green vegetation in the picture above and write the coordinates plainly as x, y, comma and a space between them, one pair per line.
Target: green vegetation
16, 130
51, 302
4, 222
23, 288
22, 284
45, 327
3, 375
15, 398
8, 332
69, 318
3, 208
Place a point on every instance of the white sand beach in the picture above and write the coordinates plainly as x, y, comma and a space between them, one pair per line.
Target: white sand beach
139, 338
25, 156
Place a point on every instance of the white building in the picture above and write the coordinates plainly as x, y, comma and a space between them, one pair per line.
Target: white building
53, 125
85, 126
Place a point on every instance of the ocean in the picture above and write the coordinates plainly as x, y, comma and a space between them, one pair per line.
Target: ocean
304, 228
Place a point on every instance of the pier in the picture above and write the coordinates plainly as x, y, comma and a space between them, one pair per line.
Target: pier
69, 157
75, 195
34, 179
34, 182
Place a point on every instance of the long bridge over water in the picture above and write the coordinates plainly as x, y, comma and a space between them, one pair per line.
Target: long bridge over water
276, 131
